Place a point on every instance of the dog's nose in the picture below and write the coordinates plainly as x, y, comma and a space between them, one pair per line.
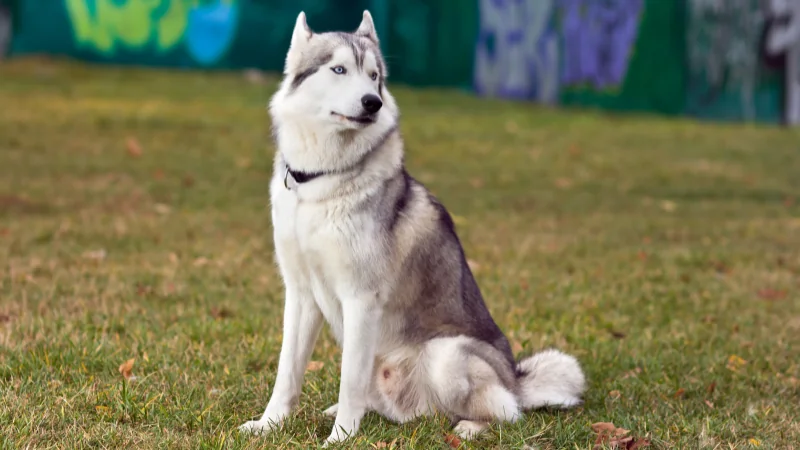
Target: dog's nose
372, 103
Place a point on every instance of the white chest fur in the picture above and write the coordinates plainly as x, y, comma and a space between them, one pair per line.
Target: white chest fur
329, 251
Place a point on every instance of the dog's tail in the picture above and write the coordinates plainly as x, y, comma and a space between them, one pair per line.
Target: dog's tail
550, 378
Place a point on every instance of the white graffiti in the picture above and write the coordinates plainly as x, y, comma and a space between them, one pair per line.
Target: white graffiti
723, 38
517, 52
784, 38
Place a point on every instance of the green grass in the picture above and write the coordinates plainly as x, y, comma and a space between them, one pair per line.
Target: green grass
657, 251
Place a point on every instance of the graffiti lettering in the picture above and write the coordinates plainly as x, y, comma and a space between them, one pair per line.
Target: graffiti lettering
723, 39
598, 37
517, 51
206, 27
783, 38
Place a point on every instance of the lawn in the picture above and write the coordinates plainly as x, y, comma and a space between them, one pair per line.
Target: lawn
134, 224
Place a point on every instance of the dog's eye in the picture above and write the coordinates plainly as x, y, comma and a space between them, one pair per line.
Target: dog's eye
374, 76
339, 70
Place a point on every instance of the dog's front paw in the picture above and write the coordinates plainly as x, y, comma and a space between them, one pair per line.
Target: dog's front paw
337, 435
258, 427
331, 412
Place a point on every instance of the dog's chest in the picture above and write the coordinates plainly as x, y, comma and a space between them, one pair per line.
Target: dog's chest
318, 247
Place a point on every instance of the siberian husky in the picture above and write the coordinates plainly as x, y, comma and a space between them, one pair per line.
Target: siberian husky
365, 247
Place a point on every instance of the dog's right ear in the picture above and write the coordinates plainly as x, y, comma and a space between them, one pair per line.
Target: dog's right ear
302, 33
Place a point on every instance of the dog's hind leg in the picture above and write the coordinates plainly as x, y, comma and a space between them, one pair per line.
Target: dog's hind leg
471, 381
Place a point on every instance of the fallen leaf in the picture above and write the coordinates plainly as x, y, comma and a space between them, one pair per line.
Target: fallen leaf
638, 443
608, 433
101, 409
632, 373
754, 442
735, 363
615, 394
134, 149
720, 267
709, 404
617, 334
200, 262
5, 318
680, 392
314, 366
771, 294
96, 255
126, 369
162, 208
220, 313
712, 387
563, 183
452, 440
384, 444
642, 255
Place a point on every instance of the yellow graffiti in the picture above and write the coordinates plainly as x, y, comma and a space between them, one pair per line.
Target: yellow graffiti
129, 23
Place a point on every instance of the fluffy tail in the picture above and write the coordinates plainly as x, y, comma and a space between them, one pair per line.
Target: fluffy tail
550, 378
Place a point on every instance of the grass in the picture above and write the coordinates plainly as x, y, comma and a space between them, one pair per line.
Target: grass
664, 254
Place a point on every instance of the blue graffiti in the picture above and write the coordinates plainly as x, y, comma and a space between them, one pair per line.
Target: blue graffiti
211, 30
530, 49
597, 40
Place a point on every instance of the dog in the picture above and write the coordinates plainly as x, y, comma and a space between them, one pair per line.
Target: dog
362, 245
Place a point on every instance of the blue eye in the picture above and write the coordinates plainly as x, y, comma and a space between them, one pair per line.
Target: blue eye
374, 76
339, 70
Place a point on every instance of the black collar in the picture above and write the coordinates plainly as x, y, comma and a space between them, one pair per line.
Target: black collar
299, 176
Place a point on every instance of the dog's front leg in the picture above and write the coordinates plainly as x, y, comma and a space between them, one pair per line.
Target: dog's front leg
362, 319
302, 321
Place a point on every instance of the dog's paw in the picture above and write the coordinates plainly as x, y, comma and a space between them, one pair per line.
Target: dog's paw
470, 429
337, 435
257, 427
331, 412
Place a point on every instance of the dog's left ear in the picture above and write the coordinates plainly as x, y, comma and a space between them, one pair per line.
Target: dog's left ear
367, 27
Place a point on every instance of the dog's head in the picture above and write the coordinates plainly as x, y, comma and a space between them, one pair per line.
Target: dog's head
335, 81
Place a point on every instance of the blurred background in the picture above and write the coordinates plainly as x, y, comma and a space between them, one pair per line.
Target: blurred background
720, 59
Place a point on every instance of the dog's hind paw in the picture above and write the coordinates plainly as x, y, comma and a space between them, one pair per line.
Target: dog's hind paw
331, 411
470, 429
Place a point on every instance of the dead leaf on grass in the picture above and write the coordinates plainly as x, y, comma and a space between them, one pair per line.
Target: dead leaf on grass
615, 394
134, 149
4, 318
754, 442
680, 393
314, 366
382, 444
712, 387
632, 373
452, 440
709, 404
126, 369
735, 363
616, 438
772, 294
617, 334
220, 312
162, 208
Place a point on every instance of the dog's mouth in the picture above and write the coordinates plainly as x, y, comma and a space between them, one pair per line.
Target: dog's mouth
364, 120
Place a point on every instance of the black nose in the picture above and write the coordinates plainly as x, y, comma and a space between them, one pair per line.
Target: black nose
372, 103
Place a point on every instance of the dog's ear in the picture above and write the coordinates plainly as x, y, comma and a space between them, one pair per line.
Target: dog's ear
302, 33
367, 27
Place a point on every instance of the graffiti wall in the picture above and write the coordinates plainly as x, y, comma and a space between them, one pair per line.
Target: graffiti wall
426, 42
580, 52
